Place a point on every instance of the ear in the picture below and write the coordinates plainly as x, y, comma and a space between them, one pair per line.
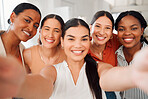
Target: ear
62, 42
12, 17
142, 31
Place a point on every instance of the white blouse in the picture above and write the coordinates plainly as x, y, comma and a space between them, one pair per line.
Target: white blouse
65, 88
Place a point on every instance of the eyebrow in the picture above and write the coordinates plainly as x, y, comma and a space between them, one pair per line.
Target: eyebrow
54, 28
134, 25
32, 19
74, 37
106, 25
130, 26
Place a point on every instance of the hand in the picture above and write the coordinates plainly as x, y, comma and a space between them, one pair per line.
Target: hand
11, 76
140, 69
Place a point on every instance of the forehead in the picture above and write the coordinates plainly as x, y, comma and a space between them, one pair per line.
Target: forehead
52, 22
104, 20
78, 31
129, 20
31, 13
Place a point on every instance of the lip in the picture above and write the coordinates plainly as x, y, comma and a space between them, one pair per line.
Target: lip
100, 38
49, 40
25, 32
77, 52
128, 40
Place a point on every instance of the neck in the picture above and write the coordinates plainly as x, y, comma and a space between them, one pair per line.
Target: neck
10, 41
75, 65
129, 52
49, 52
97, 49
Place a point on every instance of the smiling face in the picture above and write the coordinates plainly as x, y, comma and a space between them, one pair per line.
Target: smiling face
51, 33
25, 24
129, 31
76, 43
102, 30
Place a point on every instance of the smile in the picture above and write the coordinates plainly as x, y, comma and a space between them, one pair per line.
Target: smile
128, 40
100, 38
27, 33
49, 41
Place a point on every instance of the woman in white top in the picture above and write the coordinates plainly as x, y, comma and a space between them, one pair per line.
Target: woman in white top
76, 77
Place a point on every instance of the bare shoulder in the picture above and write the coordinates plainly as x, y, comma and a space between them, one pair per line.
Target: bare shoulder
27, 56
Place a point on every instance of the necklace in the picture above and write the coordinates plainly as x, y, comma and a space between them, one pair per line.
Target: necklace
47, 62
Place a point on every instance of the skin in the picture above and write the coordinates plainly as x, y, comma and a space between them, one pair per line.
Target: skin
76, 46
51, 51
102, 32
41, 85
22, 28
11, 77
129, 34
51, 33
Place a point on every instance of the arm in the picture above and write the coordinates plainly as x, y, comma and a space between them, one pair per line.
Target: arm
122, 78
39, 86
140, 70
27, 59
115, 78
11, 76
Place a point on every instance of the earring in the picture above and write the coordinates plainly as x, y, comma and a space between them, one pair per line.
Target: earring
62, 47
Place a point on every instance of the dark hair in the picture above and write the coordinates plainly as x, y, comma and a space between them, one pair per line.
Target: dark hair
49, 16
135, 14
23, 6
57, 17
74, 22
91, 65
103, 13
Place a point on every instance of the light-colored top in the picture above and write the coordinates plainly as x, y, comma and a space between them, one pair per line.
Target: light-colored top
134, 93
65, 88
3, 52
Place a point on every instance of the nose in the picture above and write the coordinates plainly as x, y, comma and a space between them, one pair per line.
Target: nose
102, 31
30, 27
127, 32
78, 44
50, 33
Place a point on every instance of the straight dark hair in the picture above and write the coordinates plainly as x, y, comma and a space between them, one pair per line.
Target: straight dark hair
100, 14
91, 65
50, 16
23, 6
138, 16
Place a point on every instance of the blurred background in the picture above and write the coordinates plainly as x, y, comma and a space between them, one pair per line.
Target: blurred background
67, 9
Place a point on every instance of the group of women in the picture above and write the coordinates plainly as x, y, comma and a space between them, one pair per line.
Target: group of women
67, 64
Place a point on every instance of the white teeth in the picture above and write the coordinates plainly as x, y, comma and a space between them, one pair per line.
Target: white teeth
128, 39
49, 40
77, 52
101, 37
26, 33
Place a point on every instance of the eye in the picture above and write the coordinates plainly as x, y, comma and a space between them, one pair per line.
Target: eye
108, 28
28, 21
85, 39
36, 26
47, 29
70, 39
56, 31
97, 26
134, 28
120, 29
